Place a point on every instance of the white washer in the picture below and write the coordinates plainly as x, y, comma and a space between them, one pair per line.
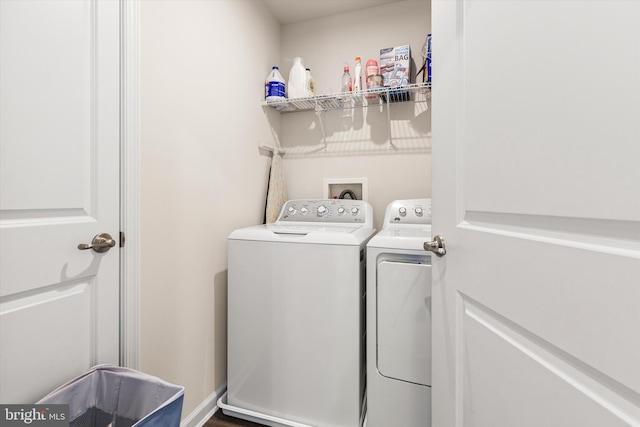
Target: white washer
296, 316
399, 318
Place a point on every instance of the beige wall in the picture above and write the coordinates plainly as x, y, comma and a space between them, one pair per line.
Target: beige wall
358, 140
203, 65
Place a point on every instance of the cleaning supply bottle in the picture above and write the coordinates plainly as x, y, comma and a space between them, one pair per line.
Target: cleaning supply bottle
428, 59
370, 73
311, 90
371, 68
357, 77
425, 70
297, 79
274, 88
346, 79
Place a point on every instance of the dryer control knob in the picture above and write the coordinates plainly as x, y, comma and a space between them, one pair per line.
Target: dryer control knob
322, 210
403, 211
419, 211
304, 210
354, 211
341, 210
291, 210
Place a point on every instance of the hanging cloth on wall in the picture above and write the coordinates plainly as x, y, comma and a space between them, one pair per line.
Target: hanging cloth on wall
277, 190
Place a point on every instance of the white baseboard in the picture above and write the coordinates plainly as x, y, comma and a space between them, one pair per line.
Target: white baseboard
205, 410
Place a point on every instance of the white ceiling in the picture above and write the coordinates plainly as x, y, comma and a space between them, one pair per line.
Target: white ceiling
290, 11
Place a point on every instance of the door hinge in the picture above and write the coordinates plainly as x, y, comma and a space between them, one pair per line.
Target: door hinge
122, 239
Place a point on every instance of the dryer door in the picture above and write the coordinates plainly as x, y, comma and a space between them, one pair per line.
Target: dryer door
404, 321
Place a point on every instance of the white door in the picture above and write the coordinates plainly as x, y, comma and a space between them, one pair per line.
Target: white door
536, 189
59, 187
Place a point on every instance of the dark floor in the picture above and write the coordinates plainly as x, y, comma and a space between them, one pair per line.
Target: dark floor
221, 420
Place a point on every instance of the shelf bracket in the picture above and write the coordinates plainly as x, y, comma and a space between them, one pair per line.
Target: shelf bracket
276, 139
388, 101
320, 114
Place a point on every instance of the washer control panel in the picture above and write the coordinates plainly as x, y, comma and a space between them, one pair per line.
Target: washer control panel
412, 211
326, 211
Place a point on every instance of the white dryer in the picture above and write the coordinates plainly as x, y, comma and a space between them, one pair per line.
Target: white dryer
399, 318
296, 316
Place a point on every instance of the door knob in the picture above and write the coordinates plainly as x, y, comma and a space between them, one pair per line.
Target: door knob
100, 243
436, 245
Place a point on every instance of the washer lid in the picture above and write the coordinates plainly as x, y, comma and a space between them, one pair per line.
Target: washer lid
402, 237
312, 228
305, 233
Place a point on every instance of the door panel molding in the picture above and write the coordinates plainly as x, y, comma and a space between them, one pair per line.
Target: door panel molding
611, 395
17, 217
572, 143
601, 235
66, 324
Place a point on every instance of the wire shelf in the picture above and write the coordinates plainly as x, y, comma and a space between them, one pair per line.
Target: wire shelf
419, 92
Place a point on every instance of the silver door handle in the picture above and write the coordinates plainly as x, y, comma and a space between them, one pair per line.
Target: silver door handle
100, 243
436, 245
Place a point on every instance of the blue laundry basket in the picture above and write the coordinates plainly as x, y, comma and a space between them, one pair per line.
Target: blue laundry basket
111, 396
